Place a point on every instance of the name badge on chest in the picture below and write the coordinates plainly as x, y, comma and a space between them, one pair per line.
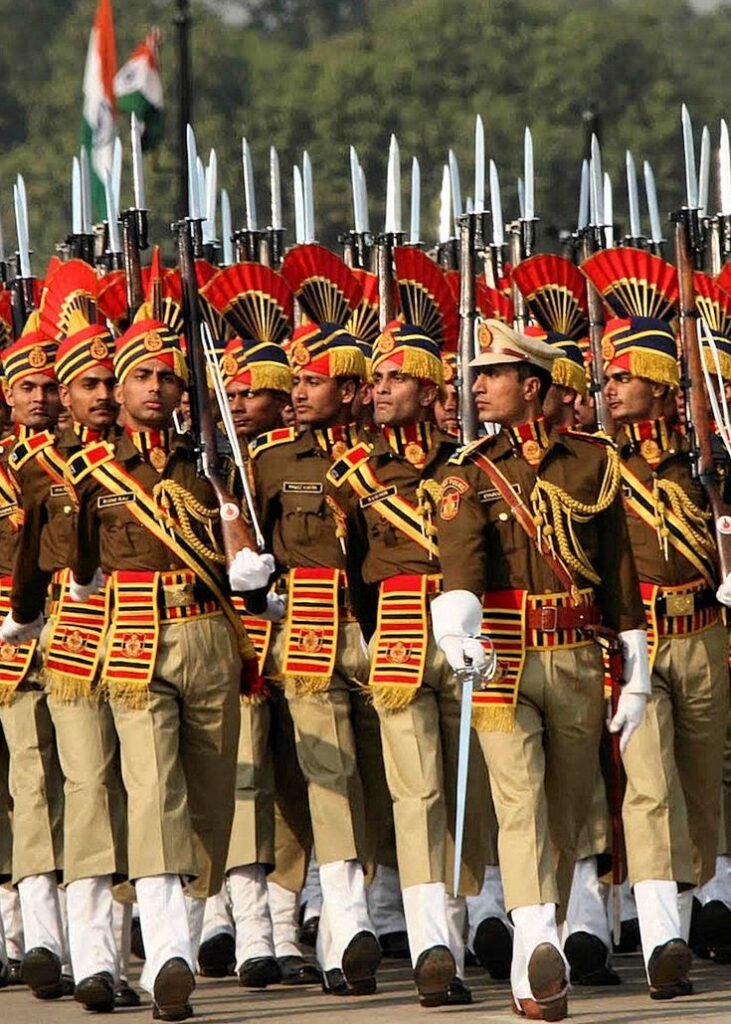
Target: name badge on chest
58, 491
112, 500
302, 487
370, 499
493, 494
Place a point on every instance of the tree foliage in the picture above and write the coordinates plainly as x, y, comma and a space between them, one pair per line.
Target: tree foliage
322, 74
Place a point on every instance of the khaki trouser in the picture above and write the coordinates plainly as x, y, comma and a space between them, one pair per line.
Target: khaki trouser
724, 832
6, 814
380, 831
420, 750
179, 755
326, 751
95, 813
595, 837
541, 774
252, 831
293, 837
673, 763
35, 783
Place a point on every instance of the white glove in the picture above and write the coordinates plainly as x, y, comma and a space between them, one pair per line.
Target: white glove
637, 686
630, 712
456, 623
250, 571
82, 592
723, 594
276, 608
20, 632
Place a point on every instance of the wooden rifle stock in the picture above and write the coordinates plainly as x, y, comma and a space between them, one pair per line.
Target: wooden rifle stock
235, 531
132, 268
384, 271
698, 420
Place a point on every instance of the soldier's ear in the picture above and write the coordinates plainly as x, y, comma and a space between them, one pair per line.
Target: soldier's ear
118, 394
428, 393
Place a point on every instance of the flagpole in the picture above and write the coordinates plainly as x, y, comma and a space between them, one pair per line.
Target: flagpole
182, 21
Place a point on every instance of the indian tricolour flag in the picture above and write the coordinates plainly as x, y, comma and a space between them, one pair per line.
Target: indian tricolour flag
138, 88
98, 129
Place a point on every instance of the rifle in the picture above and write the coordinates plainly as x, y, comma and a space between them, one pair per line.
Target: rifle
236, 532
706, 466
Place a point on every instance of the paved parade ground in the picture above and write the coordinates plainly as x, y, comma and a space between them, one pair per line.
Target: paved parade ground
223, 1002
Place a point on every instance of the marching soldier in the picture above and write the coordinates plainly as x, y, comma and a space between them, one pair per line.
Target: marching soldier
395, 479
533, 534
35, 780
173, 652
320, 653
670, 816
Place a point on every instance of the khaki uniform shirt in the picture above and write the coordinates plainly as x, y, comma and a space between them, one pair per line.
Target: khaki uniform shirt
483, 547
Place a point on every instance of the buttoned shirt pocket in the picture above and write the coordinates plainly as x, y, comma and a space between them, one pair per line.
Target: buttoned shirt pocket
303, 517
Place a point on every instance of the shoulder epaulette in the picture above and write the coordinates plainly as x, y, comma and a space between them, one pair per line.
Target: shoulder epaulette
459, 457
29, 447
264, 442
7, 442
601, 439
83, 462
346, 464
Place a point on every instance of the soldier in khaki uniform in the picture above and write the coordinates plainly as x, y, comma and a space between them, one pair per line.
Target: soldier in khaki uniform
320, 654
534, 590
670, 812
396, 482
173, 658
35, 780
94, 811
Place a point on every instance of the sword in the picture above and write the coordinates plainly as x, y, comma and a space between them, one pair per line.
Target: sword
466, 677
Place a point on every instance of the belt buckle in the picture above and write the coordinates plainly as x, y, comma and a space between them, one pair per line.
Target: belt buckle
549, 618
178, 595
679, 604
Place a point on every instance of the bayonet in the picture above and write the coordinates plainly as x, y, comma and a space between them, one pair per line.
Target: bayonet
691, 181
496, 207
275, 188
309, 197
249, 194
201, 177
112, 215
704, 172
364, 200
86, 217
582, 222
445, 207
21, 224
138, 169
608, 206
117, 171
521, 198
76, 215
194, 211
299, 206
596, 190
226, 229
652, 205
635, 222
456, 190
529, 206
479, 198
393, 189
355, 189
724, 171
415, 220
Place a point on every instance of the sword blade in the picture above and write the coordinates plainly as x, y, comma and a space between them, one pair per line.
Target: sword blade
652, 205
479, 191
415, 218
724, 171
467, 679
691, 180
496, 207
226, 228
249, 193
275, 189
529, 204
635, 223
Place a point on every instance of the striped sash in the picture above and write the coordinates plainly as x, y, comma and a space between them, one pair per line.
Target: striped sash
401, 641
503, 623
74, 648
312, 629
15, 659
132, 644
